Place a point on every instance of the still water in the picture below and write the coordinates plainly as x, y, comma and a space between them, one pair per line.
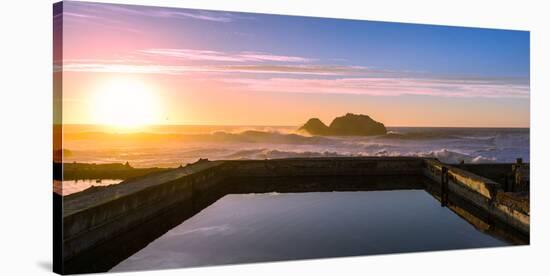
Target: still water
242, 228
68, 187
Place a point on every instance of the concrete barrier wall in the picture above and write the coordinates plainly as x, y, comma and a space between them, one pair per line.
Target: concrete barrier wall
511, 216
325, 167
116, 213
482, 192
87, 227
462, 179
495, 172
91, 226
514, 177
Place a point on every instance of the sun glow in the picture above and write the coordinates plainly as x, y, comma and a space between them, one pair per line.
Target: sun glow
125, 104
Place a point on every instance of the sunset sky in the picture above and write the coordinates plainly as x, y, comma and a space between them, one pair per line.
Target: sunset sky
148, 65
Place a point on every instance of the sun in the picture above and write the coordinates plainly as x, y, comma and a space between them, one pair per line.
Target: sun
125, 104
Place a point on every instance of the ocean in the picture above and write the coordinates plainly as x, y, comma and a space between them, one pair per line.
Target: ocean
170, 146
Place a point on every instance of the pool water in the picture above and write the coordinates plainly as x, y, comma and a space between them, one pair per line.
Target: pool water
242, 228
68, 187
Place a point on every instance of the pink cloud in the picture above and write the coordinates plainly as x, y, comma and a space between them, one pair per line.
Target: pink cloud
190, 54
258, 56
312, 78
148, 67
207, 55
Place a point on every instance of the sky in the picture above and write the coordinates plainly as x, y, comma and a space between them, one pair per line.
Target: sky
226, 68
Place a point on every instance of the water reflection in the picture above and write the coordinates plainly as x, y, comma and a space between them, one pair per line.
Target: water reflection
68, 187
242, 228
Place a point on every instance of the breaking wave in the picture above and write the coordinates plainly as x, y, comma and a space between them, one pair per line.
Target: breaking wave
444, 155
253, 136
434, 136
447, 145
276, 154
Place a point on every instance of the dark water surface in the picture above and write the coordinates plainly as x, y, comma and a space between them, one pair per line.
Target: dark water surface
242, 228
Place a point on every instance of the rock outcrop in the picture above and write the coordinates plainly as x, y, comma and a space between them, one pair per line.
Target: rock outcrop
348, 125
314, 126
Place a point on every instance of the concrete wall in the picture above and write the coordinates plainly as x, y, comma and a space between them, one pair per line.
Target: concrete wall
115, 214
514, 177
84, 229
326, 166
87, 227
463, 182
495, 172
484, 193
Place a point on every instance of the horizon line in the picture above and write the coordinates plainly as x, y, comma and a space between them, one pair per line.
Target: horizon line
277, 125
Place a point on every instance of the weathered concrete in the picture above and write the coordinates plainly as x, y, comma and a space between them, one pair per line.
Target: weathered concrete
514, 177
462, 181
324, 167
478, 217
96, 215
77, 171
96, 218
500, 173
512, 209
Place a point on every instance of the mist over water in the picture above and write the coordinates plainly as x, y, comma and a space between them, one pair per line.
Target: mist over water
170, 146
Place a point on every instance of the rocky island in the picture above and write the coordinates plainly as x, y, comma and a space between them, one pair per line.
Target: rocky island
347, 125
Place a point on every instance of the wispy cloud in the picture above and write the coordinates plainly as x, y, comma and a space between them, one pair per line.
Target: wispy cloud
269, 72
328, 80
390, 86
150, 67
96, 66
208, 16
123, 68
159, 12
74, 14
259, 56
207, 55
82, 18
304, 69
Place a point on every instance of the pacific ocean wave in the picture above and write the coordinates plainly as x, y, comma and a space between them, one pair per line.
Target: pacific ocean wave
153, 149
444, 155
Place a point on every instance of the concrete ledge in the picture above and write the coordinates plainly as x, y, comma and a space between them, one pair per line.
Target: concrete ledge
325, 166
517, 201
484, 193
478, 184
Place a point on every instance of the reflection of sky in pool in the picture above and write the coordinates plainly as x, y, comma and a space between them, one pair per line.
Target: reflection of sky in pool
73, 186
272, 227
